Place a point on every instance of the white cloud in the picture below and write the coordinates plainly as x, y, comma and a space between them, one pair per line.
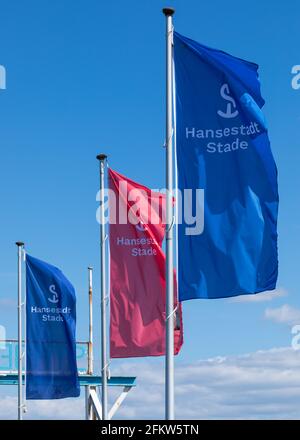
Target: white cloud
261, 385
43, 409
283, 315
261, 297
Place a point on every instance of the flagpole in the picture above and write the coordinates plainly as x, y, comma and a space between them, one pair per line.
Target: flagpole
20, 350
90, 370
104, 363
90, 346
169, 368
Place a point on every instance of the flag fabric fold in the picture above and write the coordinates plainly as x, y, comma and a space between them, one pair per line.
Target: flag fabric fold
51, 369
223, 148
137, 271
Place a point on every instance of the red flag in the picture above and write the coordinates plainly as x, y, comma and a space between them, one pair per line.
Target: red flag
137, 271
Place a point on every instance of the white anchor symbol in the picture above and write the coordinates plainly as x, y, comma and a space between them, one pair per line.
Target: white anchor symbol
225, 93
54, 298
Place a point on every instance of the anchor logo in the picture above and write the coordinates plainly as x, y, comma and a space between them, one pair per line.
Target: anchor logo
231, 105
54, 298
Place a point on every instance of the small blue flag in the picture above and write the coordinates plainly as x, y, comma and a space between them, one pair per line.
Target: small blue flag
51, 370
227, 241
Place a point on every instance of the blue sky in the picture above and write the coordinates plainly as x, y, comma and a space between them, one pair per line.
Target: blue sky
88, 77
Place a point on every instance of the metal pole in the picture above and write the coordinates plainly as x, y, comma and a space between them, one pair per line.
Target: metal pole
90, 369
20, 351
90, 347
169, 368
87, 403
104, 364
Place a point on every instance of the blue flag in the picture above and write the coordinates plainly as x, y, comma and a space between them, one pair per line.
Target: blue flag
227, 241
51, 370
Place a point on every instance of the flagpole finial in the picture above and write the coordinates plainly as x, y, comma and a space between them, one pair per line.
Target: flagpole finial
101, 157
19, 243
168, 11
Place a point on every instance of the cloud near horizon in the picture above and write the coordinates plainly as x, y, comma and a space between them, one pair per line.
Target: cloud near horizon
283, 315
260, 385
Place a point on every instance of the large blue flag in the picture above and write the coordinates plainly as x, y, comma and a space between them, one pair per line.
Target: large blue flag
51, 370
223, 151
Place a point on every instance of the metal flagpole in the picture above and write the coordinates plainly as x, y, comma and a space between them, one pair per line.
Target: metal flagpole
104, 363
169, 368
20, 350
90, 370
90, 347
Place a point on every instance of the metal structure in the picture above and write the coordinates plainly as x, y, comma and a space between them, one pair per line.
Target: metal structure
104, 362
93, 382
89, 413
14, 374
20, 246
169, 368
9, 356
